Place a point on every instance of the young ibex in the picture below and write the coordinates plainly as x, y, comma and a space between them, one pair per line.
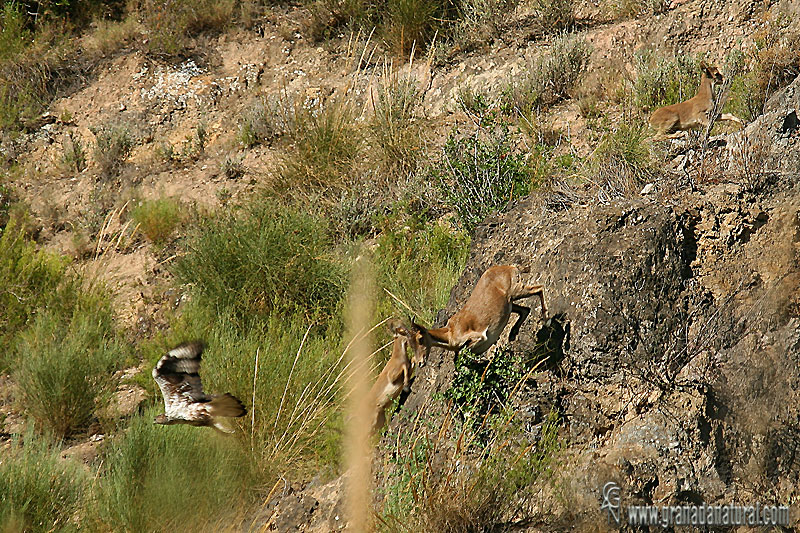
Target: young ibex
396, 375
672, 120
480, 322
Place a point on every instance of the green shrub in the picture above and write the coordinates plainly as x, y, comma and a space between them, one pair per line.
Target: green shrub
397, 137
39, 492
552, 77
662, 81
264, 257
553, 16
158, 219
622, 161
480, 386
418, 261
29, 279
326, 142
113, 145
63, 369
483, 173
170, 478
172, 24
412, 24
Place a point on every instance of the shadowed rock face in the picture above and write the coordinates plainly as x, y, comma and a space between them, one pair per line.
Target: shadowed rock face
674, 347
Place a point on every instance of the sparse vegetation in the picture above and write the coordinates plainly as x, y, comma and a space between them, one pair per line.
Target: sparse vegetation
554, 16
113, 145
325, 141
551, 77
158, 219
172, 25
774, 62
398, 138
662, 81
263, 121
74, 156
622, 162
39, 492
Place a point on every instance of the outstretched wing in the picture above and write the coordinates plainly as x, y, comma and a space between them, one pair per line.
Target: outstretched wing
176, 374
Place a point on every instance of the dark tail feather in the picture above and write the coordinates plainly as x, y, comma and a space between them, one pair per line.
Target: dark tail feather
227, 405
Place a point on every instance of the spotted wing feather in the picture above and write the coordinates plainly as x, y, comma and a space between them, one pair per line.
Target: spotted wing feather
176, 374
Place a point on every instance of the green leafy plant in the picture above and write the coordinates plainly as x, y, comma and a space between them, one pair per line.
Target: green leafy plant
158, 219
483, 173
263, 257
39, 491
63, 368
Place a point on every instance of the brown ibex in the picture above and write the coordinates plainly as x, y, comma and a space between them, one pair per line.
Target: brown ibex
396, 375
480, 322
672, 120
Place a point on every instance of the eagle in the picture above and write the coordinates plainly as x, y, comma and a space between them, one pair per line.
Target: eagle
184, 400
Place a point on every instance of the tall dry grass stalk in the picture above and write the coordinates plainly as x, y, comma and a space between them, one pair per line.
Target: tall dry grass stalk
356, 445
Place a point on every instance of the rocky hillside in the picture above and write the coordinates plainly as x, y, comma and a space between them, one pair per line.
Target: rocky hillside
667, 363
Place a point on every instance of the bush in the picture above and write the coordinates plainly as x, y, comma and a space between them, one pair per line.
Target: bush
420, 262
411, 24
432, 486
170, 478
775, 63
262, 258
622, 161
552, 77
39, 491
329, 16
113, 145
30, 279
158, 219
63, 368
262, 122
172, 24
397, 137
25, 64
661, 81
483, 174
326, 142
553, 16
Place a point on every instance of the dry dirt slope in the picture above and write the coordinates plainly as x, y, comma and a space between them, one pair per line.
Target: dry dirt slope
165, 104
